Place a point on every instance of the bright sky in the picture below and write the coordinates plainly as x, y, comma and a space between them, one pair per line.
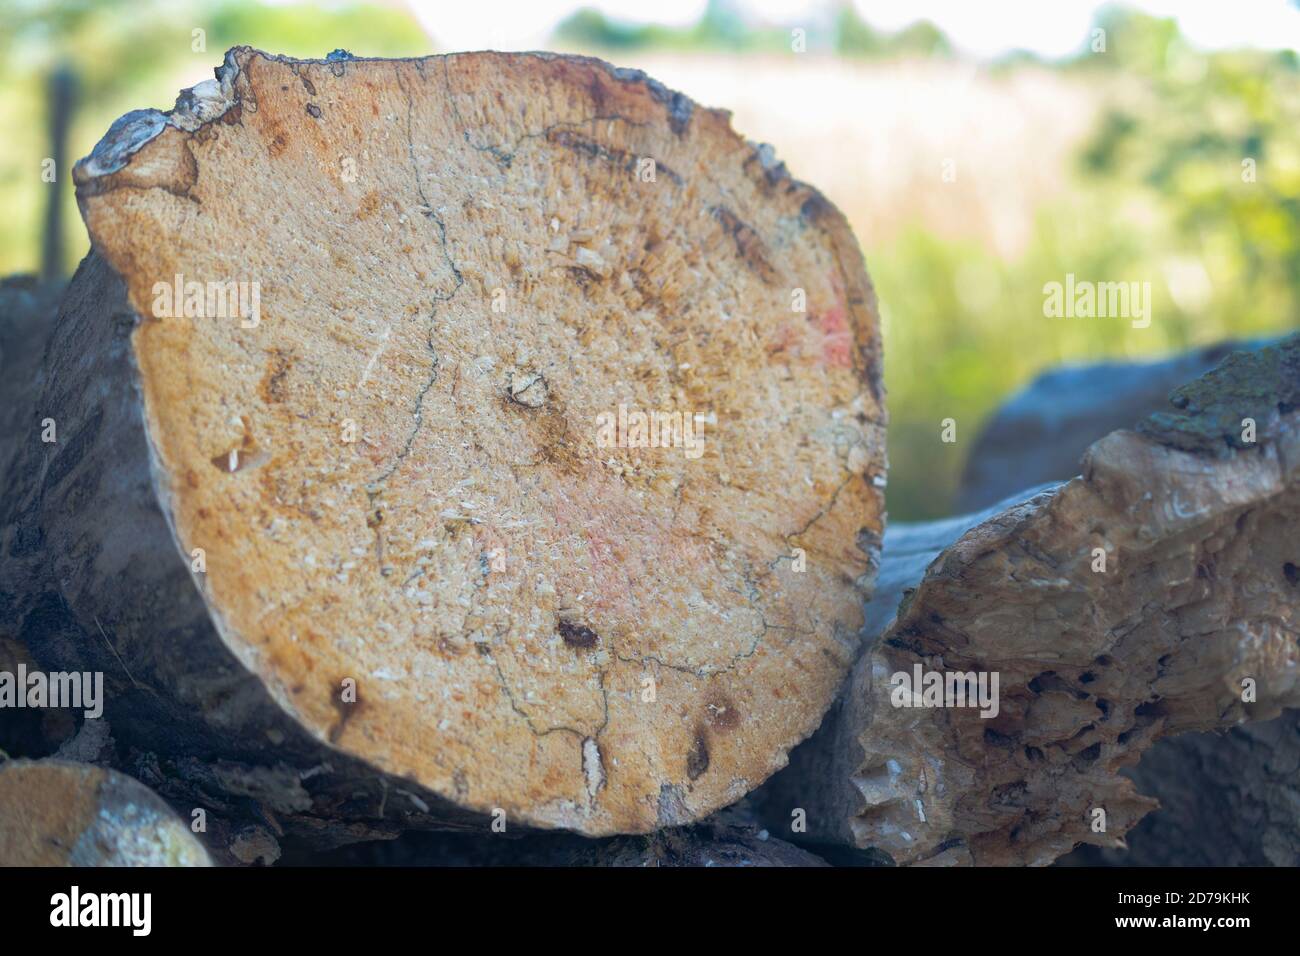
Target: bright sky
981, 27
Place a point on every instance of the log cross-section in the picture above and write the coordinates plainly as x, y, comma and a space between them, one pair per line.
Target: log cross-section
494, 432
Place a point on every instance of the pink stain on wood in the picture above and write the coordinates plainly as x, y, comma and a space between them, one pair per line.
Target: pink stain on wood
829, 344
617, 538
837, 337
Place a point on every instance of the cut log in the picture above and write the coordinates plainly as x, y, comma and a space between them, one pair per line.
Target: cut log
1225, 799
344, 499
1151, 596
58, 813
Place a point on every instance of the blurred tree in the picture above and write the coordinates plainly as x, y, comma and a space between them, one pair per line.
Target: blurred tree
854, 37
723, 26
1190, 181
1213, 140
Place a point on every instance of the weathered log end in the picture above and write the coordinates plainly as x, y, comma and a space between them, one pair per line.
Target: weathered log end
360, 498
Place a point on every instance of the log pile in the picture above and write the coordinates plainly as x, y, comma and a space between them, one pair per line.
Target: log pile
1039, 434
433, 453
427, 463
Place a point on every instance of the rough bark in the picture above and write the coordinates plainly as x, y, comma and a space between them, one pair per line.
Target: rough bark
605, 639
1040, 434
27, 308
1226, 799
1198, 528
59, 813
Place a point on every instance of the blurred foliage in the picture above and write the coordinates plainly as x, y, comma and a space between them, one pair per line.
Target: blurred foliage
1161, 190
853, 37
1190, 180
723, 26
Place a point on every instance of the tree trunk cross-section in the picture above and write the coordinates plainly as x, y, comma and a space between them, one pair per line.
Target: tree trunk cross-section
1188, 625
400, 455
